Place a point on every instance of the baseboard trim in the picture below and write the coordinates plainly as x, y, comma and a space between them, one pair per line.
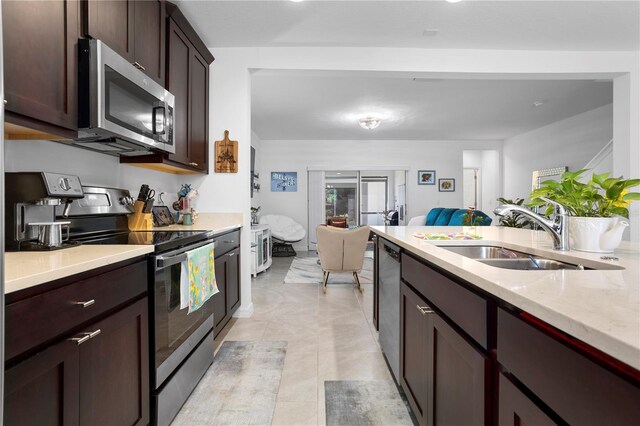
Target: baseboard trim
244, 311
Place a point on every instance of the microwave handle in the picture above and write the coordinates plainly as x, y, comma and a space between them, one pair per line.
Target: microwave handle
159, 107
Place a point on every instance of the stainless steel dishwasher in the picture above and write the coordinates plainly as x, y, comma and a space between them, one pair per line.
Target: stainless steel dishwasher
389, 303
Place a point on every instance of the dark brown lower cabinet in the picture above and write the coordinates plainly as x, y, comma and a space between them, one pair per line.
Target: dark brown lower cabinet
572, 386
414, 351
516, 409
444, 376
227, 301
220, 299
457, 378
233, 279
114, 369
44, 389
97, 381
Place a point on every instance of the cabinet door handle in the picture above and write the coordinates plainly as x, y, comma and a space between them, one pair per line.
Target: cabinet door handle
231, 254
425, 310
87, 336
85, 304
137, 65
228, 241
193, 164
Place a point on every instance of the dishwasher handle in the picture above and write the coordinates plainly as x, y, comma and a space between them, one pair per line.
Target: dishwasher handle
394, 254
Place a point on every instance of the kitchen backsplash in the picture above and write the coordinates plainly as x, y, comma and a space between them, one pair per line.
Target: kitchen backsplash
92, 168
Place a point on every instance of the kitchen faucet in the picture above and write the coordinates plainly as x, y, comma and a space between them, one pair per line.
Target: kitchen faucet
558, 229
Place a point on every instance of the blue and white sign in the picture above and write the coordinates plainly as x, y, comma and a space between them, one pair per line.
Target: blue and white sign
284, 181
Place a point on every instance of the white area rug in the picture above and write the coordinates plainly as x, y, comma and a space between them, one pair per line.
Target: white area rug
306, 270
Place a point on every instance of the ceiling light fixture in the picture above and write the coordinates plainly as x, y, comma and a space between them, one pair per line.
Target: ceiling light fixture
296, 1
453, 1
369, 123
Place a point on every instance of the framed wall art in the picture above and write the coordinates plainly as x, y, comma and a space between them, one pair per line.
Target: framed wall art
447, 185
284, 181
426, 177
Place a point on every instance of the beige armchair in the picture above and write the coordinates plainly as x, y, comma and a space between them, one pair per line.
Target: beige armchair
341, 250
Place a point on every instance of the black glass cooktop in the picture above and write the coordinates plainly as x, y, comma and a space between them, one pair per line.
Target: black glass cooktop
163, 240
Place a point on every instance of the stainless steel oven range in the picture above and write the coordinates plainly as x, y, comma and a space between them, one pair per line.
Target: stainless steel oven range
181, 344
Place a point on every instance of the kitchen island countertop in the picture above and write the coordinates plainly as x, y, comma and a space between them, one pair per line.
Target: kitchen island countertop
600, 307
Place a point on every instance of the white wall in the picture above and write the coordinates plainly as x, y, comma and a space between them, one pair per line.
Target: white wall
445, 157
93, 168
571, 142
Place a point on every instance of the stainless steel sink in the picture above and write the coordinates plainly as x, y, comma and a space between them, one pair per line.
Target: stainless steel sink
530, 264
501, 257
486, 252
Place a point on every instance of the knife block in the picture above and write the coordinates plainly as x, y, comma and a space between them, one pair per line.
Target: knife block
139, 221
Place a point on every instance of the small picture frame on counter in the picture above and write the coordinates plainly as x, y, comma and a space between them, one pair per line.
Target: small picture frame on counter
162, 216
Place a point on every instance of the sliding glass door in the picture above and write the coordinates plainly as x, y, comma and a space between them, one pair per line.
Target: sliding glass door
341, 196
374, 199
359, 197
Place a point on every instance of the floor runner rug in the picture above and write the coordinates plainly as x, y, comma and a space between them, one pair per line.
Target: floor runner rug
306, 270
364, 402
240, 387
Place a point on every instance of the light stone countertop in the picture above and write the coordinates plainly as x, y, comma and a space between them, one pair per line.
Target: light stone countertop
28, 269
599, 307
217, 222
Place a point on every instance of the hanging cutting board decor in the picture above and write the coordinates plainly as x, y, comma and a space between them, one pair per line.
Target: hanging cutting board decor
226, 155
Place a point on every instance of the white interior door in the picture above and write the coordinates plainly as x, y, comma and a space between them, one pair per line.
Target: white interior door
470, 190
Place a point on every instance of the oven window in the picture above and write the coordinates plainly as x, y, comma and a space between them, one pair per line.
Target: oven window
127, 105
172, 324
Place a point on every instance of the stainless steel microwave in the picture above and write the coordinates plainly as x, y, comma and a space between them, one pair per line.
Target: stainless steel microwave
121, 110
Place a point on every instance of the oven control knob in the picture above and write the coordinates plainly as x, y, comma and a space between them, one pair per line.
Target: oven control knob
64, 184
126, 201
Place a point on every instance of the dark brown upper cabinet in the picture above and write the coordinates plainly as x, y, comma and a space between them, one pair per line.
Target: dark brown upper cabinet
40, 65
187, 78
134, 29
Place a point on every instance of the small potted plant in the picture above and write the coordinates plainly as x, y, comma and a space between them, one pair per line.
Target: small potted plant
597, 207
255, 211
514, 219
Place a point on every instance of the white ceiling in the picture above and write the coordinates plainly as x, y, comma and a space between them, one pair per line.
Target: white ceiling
288, 105
316, 105
470, 24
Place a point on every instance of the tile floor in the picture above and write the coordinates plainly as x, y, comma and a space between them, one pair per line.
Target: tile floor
330, 337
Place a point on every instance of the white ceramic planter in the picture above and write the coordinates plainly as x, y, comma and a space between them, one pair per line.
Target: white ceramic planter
596, 234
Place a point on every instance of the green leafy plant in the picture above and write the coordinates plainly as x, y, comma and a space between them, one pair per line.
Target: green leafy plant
514, 219
601, 196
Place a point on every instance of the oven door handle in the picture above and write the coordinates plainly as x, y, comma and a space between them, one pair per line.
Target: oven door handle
163, 262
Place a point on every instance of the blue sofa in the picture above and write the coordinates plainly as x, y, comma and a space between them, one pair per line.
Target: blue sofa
441, 216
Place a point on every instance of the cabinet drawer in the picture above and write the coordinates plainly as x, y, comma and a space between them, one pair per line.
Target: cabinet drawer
577, 389
39, 319
227, 242
464, 308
